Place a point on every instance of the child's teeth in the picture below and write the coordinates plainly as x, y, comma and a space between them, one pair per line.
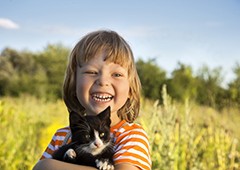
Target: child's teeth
102, 97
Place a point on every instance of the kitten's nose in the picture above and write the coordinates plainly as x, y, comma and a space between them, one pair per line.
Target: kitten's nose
97, 144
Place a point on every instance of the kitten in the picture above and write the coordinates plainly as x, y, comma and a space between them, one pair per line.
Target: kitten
91, 144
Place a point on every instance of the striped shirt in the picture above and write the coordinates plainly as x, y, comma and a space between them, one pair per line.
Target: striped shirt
130, 143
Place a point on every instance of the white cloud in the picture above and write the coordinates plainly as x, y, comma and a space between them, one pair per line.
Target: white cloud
8, 24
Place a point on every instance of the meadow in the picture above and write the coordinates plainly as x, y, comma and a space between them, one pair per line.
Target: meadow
182, 136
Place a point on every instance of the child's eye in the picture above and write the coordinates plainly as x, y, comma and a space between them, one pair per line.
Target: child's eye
91, 72
117, 75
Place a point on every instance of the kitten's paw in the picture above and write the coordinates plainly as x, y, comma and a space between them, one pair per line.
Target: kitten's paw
70, 154
104, 164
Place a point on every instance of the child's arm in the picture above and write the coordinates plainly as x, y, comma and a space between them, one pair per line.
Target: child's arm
52, 164
125, 167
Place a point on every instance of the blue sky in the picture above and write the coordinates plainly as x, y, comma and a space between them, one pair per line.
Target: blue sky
194, 32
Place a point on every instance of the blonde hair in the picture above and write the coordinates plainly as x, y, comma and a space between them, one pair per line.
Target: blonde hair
117, 51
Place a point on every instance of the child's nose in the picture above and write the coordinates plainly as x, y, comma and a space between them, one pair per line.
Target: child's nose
103, 80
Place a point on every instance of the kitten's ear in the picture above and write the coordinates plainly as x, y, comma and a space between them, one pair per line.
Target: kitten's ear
105, 114
75, 118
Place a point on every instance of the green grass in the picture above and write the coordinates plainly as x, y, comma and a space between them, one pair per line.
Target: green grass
25, 130
182, 137
190, 137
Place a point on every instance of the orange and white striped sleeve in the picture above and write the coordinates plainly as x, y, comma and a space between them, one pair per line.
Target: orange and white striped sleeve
56, 142
131, 145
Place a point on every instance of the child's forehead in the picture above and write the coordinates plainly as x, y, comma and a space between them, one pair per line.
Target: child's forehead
106, 57
95, 62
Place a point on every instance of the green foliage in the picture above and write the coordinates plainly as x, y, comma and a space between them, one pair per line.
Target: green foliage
53, 60
19, 135
182, 85
38, 74
209, 86
6, 71
180, 138
180, 142
41, 74
204, 87
234, 87
152, 78
23, 123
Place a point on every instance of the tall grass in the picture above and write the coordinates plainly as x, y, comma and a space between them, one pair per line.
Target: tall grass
181, 136
25, 130
180, 143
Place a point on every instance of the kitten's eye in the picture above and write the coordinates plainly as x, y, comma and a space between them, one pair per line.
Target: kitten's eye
101, 135
87, 136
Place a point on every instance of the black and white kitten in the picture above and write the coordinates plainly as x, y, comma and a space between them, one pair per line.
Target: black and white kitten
91, 143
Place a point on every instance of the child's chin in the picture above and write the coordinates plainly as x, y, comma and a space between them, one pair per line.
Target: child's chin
98, 109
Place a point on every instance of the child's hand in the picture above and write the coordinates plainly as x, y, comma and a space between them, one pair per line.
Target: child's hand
104, 164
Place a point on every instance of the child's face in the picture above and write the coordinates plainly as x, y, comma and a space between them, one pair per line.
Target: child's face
101, 84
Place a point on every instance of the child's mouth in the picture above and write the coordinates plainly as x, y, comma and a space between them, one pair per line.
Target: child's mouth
102, 97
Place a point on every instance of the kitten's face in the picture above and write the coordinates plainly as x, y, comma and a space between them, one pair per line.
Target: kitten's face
91, 133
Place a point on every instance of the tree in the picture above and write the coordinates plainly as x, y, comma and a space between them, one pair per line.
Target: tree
209, 86
234, 86
7, 76
21, 74
182, 84
152, 78
53, 61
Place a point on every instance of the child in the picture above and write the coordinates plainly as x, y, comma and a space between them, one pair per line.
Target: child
101, 73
